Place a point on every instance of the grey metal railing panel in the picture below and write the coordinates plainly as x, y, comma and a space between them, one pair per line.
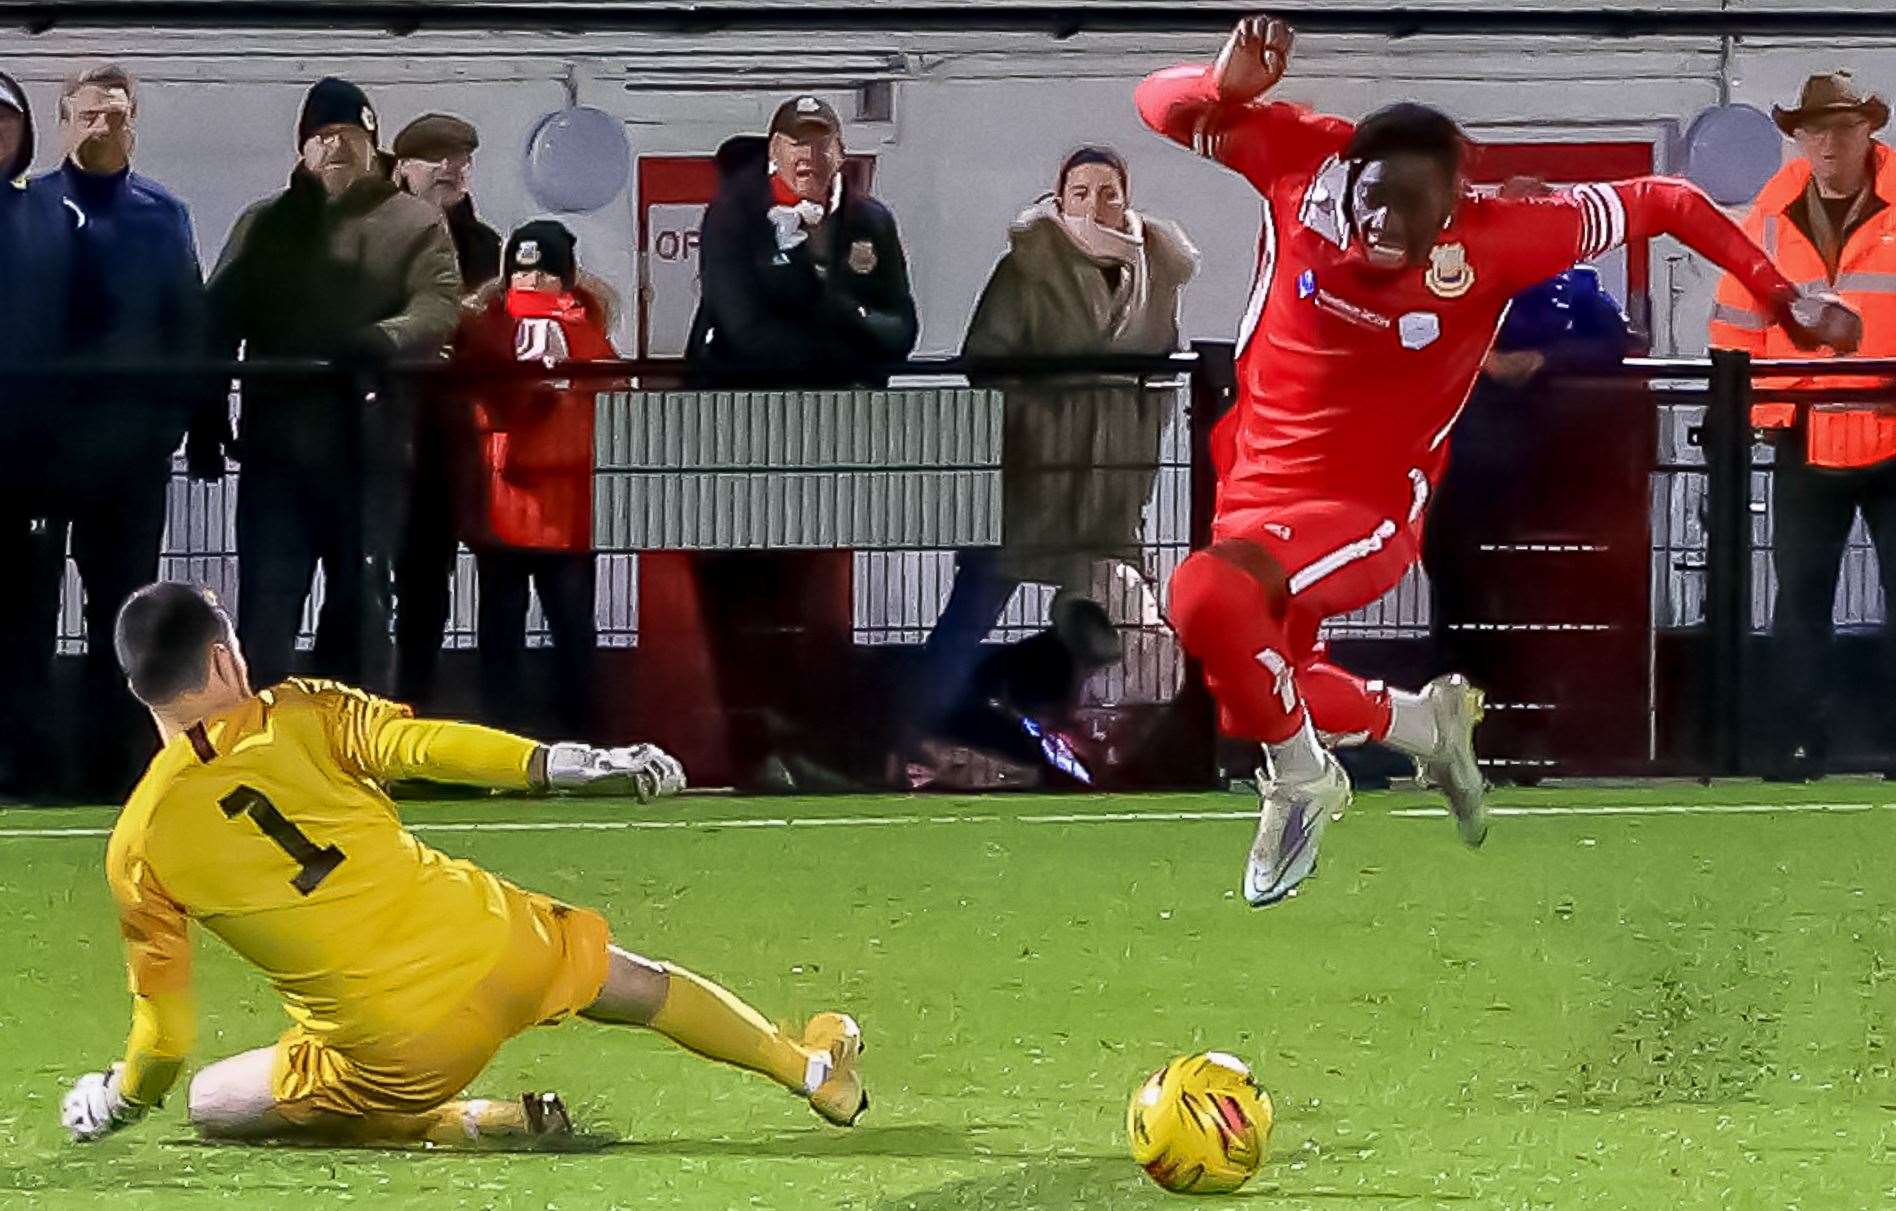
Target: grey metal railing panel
905, 469
1678, 543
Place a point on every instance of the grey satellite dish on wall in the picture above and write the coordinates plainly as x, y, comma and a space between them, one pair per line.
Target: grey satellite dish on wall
578, 160
1731, 151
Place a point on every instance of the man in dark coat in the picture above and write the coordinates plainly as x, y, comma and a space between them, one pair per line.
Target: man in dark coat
341, 266
135, 295
804, 281
34, 248
433, 156
804, 284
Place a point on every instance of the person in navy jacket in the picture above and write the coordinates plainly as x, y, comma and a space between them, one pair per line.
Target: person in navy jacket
134, 295
33, 247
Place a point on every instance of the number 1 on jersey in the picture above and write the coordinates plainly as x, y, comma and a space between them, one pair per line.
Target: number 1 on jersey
315, 860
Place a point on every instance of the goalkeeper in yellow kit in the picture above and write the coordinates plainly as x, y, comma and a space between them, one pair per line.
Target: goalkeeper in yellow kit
264, 819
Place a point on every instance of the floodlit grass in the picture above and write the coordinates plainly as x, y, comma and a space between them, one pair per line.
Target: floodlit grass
1597, 1010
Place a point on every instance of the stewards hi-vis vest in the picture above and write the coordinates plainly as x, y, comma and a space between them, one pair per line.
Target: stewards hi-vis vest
1837, 434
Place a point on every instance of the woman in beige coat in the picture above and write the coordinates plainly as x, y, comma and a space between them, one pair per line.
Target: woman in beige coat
1084, 275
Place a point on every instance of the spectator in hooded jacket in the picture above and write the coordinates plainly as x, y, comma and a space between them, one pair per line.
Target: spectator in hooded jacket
803, 276
434, 156
343, 266
135, 294
1084, 274
34, 242
531, 520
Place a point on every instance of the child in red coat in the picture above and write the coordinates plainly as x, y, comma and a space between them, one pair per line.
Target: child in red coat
531, 516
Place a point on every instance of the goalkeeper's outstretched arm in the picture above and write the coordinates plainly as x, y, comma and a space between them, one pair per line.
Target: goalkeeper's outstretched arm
384, 741
164, 1016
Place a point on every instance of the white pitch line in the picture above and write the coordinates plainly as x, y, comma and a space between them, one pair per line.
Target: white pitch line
1403, 813
1136, 817
1655, 809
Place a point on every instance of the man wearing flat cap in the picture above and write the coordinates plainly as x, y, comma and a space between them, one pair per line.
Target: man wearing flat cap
1828, 218
434, 156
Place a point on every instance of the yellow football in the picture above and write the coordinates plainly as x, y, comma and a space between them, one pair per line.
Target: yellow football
1200, 1125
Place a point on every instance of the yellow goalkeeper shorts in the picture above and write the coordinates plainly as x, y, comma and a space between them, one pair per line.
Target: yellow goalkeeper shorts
554, 967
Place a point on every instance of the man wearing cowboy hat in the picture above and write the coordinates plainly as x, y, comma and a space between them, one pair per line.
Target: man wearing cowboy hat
1828, 219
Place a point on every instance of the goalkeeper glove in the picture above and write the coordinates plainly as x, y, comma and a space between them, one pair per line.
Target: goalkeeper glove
648, 771
94, 1108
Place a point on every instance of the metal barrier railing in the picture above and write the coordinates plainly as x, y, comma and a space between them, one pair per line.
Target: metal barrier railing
1711, 569
1714, 522
899, 590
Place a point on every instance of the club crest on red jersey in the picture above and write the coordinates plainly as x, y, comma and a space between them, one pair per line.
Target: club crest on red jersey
1450, 275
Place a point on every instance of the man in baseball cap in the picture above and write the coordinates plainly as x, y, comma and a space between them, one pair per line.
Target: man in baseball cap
804, 284
806, 148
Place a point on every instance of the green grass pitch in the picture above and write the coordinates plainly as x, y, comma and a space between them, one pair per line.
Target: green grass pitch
1638, 998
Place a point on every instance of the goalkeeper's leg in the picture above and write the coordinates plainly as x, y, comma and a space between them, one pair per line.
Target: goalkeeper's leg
347, 1099
235, 1099
706, 1018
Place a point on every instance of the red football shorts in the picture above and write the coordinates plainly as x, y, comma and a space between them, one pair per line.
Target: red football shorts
1339, 555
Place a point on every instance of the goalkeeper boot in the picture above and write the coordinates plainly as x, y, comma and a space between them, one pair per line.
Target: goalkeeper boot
546, 1115
839, 1095
1451, 768
1291, 818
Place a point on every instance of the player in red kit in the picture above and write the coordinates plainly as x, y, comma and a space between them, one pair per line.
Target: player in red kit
1381, 280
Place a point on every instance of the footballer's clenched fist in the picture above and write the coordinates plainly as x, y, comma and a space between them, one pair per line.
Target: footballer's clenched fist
1253, 59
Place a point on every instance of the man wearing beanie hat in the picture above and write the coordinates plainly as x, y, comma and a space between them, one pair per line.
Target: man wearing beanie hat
35, 246
433, 156
341, 266
530, 520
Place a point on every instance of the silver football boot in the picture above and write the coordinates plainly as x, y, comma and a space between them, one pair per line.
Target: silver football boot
1451, 768
1291, 820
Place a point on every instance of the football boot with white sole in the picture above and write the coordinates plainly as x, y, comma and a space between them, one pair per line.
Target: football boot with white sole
1291, 820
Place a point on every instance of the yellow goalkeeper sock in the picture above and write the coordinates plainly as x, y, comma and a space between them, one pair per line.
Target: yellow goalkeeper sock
479, 1119
460, 1124
702, 1017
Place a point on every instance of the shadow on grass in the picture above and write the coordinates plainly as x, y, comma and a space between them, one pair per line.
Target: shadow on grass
908, 1141
1059, 1183
912, 1141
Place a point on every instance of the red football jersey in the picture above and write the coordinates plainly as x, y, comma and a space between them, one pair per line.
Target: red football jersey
1349, 377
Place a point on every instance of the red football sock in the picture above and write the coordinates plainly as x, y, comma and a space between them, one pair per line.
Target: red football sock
1236, 627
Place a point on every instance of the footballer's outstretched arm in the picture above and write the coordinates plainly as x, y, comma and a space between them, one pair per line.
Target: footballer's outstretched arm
1666, 206
384, 741
1599, 217
1213, 108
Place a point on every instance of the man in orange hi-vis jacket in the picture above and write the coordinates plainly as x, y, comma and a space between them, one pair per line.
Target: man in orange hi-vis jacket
1828, 219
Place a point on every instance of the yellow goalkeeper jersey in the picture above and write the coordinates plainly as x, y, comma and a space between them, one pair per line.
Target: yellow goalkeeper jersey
270, 827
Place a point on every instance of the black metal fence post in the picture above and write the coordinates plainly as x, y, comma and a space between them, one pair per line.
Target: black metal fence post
1214, 381
1727, 445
